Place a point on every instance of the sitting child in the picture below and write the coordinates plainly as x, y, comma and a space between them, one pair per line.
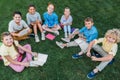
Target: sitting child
11, 52
18, 27
89, 33
107, 51
34, 20
66, 22
51, 20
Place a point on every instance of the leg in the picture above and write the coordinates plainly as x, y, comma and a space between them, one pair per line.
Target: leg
69, 29
24, 34
28, 55
65, 31
18, 68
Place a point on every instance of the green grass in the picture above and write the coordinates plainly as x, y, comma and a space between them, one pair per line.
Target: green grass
60, 65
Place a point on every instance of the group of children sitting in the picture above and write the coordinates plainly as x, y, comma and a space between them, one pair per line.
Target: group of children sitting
18, 29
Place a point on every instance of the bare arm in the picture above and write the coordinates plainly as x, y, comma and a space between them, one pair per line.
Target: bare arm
105, 58
26, 50
89, 48
16, 62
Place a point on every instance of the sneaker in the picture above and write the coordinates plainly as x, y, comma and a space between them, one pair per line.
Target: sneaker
33, 64
37, 39
76, 56
91, 75
56, 33
75, 30
66, 39
42, 36
59, 44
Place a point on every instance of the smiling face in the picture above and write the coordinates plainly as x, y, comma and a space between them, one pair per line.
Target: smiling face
88, 24
7, 40
50, 8
111, 38
31, 10
17, 18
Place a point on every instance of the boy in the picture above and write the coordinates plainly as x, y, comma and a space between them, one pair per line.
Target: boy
66, 21
18, 27
34, 20
86, 35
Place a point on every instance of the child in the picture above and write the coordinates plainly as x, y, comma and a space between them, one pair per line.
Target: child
34, 20
18, 28
11, 52
66, 21
51, 20
86, 35
107, 51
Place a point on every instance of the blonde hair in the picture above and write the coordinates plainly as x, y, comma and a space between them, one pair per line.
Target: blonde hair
114, 33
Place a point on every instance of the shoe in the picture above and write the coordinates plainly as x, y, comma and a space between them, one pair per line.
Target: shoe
76, 56
75, 30
31, 35
111, 62
42, 36
91, 75
37, 39
60, 44
65, 39
33, 64
56, 33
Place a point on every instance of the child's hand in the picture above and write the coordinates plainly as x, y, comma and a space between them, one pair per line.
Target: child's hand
93, 58
26, 64
35, 54
88, 54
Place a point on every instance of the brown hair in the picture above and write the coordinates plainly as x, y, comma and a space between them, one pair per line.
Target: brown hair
88, 19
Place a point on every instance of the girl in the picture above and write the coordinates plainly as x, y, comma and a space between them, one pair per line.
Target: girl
51, 20
107, 51
66, 21
10, 51
34, 20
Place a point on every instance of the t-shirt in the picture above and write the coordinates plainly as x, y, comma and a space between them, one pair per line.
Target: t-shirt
11, 51
111, 48
89, 34
33, 17
50, 19
64, 20
13, 27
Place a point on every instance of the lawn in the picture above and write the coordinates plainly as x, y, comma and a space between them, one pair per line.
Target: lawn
60, 65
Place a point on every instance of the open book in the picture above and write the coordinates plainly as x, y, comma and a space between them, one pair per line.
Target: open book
42, 58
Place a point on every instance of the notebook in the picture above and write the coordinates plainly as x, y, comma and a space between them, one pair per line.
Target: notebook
50, 36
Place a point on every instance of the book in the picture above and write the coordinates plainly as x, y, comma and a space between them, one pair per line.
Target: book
41, 58
50, 36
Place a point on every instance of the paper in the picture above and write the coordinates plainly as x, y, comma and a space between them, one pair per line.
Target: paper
42, 58
50, 36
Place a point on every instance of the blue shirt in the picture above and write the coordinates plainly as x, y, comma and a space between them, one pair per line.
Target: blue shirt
50, 19
90, 34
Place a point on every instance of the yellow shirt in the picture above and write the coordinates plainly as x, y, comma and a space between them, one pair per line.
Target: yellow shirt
111, 48
11, 51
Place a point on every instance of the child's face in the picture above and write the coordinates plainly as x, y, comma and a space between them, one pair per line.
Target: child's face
66, 12
17, 18
31, 10
111, 39
88, 24
8, 40
50, 9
